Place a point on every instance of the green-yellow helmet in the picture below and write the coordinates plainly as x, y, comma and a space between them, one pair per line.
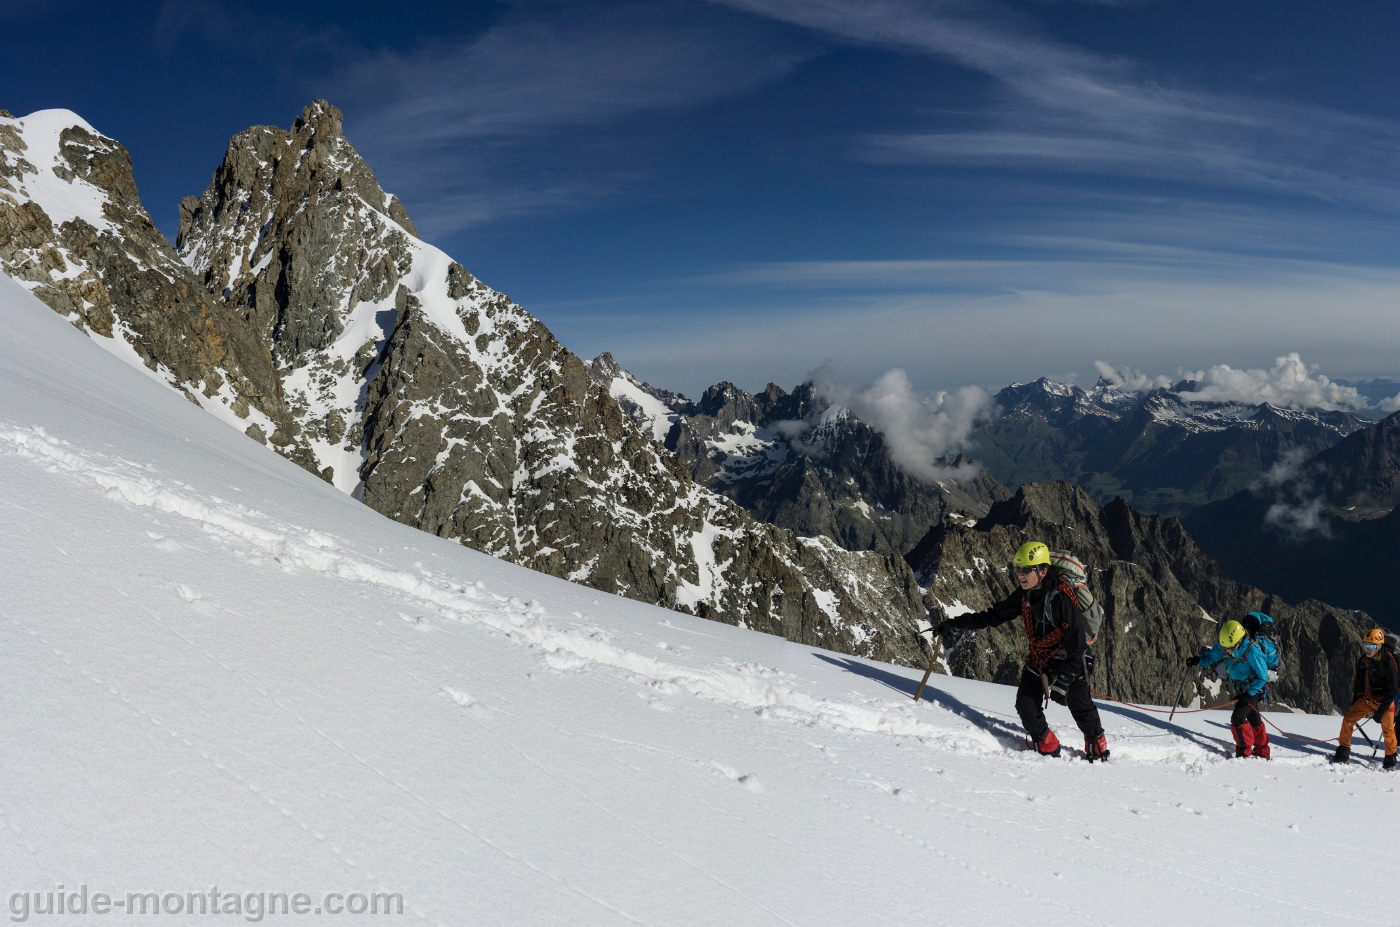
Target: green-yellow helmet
1231, 633
1032, 553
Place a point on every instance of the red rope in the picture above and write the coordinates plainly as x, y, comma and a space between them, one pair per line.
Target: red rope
1306, 740
1161, 711
1192, 711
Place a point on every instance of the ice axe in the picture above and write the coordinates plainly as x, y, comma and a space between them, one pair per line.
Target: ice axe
932, 661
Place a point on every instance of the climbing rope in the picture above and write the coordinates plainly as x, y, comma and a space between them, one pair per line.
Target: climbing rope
1306, 740
1192, 711
1160, 711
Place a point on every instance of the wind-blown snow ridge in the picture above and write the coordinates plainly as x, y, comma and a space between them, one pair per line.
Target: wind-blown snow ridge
748, 686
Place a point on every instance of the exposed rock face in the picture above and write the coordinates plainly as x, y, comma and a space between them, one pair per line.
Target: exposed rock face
793, 460
73, 230
444, 405
1162, 451
1162, 595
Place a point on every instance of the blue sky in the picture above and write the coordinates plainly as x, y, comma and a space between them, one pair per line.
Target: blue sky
977, 192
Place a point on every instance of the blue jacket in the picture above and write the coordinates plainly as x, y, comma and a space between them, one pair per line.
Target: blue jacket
1248, 669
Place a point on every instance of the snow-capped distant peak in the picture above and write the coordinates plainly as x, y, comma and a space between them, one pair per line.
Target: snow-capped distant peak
654, 410
40, 173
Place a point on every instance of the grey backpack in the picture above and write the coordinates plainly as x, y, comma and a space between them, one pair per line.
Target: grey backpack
1073, 572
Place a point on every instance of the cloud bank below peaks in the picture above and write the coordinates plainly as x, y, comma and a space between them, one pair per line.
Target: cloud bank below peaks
920, 431
1290, 383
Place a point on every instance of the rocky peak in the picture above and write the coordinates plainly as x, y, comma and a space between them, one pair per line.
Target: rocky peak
74, 231
1364, 470
1270, 416
793, 460
653, 410
444, 405
605, 369
1042, 394
1057, 503
728, 404
294, 232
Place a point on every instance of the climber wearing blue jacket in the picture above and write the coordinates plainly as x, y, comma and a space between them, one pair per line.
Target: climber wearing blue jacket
1249, 674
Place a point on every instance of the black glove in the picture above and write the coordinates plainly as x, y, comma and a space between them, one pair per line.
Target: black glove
1193, 661
1059, 689
943, 629
1380, 712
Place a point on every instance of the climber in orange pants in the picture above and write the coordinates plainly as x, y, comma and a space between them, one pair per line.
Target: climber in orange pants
1373, 694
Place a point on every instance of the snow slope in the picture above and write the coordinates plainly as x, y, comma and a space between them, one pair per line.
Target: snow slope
218, 671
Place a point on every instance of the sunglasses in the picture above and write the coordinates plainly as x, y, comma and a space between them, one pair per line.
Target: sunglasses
1026, 571
1370, 646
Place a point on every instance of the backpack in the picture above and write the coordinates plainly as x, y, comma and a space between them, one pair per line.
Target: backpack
1264, 632
1392, 644
1090, 609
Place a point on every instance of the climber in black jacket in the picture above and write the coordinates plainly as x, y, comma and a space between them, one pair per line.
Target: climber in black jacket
1058, 663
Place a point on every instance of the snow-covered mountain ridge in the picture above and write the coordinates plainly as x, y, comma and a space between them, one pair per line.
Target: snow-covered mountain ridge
440, 403
219, 671
74, 231
799, 461
1163, 450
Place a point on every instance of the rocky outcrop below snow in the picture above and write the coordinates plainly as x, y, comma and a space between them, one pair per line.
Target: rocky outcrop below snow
74, 232
444, 405
1164, 599
1164, 451
795, 460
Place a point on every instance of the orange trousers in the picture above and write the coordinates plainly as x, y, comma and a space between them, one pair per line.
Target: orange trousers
1359, 711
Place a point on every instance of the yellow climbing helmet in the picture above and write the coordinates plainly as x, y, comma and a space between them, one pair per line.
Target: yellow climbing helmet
1374, 637
1231, 633
1032, 553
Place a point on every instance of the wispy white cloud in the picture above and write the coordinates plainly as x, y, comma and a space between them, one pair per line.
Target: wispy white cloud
1299, 506
469, 115
994, 322
1062, 108
1126, 378
922, 432
1289, 383
534, 74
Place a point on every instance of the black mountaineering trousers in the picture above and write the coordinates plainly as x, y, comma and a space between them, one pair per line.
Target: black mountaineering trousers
1030, 698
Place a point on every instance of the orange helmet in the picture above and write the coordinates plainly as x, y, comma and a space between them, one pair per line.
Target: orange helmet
1374, 636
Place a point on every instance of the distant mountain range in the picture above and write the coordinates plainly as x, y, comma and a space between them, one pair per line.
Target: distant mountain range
1162, 450
1327, 527
300, 306
794, 460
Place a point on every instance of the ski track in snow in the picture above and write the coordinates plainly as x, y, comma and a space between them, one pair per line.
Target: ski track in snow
291, 547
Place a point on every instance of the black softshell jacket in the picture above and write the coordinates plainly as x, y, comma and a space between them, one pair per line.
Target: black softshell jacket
1384, 678
1055, 647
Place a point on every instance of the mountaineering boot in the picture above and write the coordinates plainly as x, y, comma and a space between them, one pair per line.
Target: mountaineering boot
1388, 762
1096, 748
1049, 745
1261, 741
1343, 756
